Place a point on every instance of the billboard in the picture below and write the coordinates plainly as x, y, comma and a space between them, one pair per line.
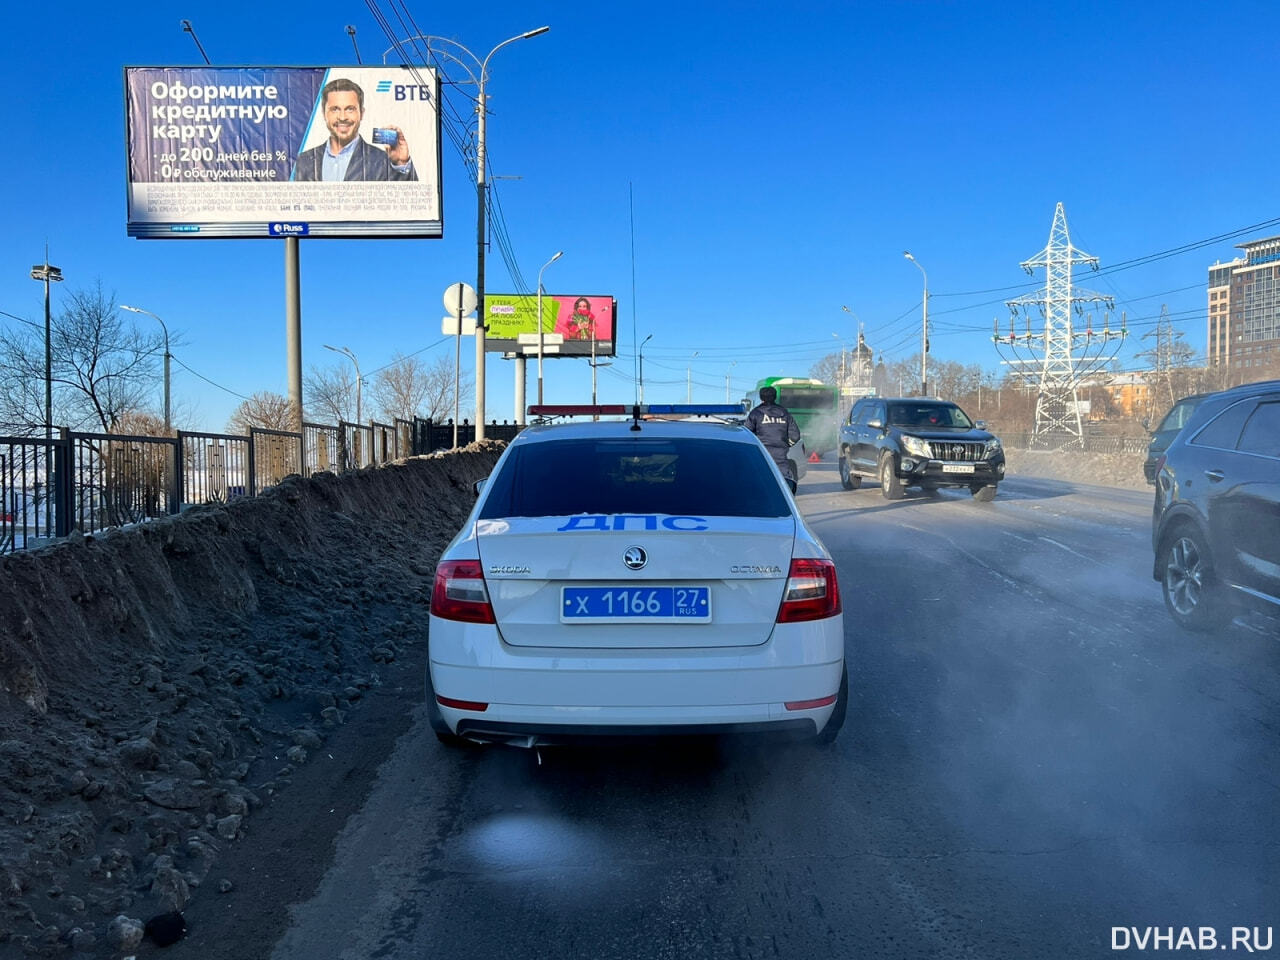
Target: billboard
577, 318
283, 151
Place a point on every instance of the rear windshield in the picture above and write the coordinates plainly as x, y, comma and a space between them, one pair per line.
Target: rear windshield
926, 415
687, 476
1177, 418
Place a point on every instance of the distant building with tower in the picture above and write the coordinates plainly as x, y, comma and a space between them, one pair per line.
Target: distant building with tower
1244, 309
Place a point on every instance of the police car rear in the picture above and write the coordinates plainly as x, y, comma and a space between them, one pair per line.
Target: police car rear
635, 577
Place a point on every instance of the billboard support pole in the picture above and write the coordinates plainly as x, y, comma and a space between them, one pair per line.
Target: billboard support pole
293, 328
520, 374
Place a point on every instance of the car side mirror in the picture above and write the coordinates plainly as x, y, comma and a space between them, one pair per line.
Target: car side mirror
980, 424
876, 423
479, 485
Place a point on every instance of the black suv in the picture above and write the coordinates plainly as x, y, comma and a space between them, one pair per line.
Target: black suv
918, 442
1216, 524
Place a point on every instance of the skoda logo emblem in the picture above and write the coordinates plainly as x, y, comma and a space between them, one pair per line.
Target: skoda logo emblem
635, 558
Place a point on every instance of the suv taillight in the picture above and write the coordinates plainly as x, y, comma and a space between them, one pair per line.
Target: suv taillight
812, 592
459, 592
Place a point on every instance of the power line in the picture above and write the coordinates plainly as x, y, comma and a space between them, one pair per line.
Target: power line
174, 357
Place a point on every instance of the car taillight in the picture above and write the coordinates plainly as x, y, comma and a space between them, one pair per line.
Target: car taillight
459, 592
812, 592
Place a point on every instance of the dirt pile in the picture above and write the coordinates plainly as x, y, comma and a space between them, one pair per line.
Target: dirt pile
150, 677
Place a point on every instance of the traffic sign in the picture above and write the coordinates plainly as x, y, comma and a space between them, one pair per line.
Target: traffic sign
460, 300
449, 326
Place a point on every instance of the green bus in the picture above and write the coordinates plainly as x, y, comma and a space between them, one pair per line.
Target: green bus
814, 404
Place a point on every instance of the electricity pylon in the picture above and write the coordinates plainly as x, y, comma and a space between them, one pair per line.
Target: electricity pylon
1062, 354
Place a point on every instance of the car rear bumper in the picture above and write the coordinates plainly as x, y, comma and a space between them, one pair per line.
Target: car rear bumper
575, 693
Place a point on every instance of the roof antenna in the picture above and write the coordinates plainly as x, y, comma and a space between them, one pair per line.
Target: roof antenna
635, 418
188, 28
351, 32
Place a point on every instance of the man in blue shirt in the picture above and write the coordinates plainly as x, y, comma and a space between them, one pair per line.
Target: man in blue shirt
346, 155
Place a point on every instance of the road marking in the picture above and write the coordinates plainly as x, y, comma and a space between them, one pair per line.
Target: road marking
1066, 548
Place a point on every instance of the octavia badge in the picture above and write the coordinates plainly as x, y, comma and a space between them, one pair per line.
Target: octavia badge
635, 558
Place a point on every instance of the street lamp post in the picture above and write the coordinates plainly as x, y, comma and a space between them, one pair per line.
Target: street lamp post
352, 357
688, 378
558, 254
728, 377
166, 358
924, 332
479, 79
44, 272
641, 352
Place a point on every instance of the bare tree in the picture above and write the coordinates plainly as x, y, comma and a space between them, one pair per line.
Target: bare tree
140, 423
265, 410
330, 394
410, 386
102, 367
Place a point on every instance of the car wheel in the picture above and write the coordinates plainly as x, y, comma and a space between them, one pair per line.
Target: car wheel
983, 493
1190, 588
848, 480
434, 718
890, 485
832, 729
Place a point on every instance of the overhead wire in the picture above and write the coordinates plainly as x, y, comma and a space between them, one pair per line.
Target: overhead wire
454, 126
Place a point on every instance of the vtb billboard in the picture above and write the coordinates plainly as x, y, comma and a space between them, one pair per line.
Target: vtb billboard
283, 151
580, 320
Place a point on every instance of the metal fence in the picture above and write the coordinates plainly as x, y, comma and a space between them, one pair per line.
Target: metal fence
429, 435
1067, 443
93, 481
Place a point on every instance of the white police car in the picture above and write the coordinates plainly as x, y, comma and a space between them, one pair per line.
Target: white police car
635, 576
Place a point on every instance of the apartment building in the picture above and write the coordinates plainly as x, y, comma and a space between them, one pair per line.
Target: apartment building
1244, 309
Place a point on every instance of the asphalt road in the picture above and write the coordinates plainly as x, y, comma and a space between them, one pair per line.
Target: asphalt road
1034, 755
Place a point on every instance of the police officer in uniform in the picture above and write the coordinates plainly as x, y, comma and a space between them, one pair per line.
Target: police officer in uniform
777, 430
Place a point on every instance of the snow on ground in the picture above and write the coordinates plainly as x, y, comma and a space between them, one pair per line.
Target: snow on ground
160, 684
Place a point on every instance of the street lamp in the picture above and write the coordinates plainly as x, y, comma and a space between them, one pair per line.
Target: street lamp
558, 254
688, 378
352, 357
479, 80
166, 357
728, 377
641, 352
48, 274
924, 332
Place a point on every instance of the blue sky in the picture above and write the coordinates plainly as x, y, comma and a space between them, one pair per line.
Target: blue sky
780, 158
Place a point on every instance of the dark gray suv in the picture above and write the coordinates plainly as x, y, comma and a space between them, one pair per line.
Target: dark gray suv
1216, 523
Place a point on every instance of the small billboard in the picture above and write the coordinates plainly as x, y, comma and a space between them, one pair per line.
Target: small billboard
283, 151
582, 321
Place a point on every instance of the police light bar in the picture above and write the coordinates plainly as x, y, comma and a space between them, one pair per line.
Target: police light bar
634, 410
